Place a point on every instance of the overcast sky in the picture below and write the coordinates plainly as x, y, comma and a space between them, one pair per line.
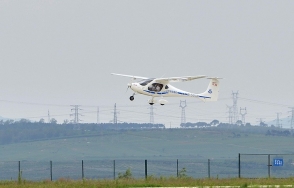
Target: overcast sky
62, 53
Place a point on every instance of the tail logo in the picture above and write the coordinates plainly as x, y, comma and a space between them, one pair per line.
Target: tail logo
214, 83
209, 91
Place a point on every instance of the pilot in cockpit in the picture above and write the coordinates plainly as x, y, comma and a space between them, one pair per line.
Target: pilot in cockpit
157, 88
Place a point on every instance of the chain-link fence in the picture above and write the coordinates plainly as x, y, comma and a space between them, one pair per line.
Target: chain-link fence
266, 165
245, 166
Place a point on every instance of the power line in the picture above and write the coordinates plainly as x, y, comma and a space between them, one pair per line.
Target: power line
31, 103
263, 102
84, 105
170, 111
192, 102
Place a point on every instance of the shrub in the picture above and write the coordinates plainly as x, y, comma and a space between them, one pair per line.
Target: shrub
126, 175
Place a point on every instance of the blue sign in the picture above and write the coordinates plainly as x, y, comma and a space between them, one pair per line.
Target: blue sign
278, 162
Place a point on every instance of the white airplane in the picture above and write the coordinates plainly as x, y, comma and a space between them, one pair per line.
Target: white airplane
160, 87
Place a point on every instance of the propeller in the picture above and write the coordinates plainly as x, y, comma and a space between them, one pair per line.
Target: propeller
129, 86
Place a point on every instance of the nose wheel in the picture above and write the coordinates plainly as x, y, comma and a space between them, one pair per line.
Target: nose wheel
132, 98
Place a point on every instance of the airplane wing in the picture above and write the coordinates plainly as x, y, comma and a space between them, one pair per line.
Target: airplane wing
177, 79
130, 76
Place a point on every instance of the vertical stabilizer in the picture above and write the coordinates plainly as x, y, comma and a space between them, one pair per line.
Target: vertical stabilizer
211, 94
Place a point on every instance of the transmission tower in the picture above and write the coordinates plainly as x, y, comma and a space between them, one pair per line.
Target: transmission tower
230, 114
76, 114
49, 119
243, 112
114, 115
151, 114
278, 124
97, 115
292, 119
183, 105
235, 108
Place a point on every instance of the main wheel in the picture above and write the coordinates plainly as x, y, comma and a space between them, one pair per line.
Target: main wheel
151, 103
132, 98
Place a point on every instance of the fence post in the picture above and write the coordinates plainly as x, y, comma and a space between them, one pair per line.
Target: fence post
82, 169
145, 169
208, 168
177, 167
114, 169
19, 168
269, 166
239, 165
51, 170
19, 175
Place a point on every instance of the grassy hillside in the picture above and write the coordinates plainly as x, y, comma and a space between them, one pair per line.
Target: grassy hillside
151, 144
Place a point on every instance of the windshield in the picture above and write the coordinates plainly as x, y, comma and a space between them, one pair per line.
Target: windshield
146, 81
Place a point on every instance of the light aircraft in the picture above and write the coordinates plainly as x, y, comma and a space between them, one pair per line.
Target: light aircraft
160, 87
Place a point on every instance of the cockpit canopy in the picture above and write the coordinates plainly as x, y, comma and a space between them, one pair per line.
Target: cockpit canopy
146, 81
153, 87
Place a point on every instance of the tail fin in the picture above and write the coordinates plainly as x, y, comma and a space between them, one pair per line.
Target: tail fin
211, 94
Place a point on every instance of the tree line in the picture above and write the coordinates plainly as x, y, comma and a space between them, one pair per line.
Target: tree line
24, 130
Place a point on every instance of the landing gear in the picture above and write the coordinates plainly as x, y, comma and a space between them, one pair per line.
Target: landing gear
162, 102
151, 101
132, 97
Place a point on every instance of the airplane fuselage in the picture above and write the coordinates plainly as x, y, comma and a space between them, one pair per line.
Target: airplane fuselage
167, 91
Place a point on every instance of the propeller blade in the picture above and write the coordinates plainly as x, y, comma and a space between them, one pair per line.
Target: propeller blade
129, 85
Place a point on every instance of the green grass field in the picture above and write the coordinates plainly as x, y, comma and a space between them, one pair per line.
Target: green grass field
152, 182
